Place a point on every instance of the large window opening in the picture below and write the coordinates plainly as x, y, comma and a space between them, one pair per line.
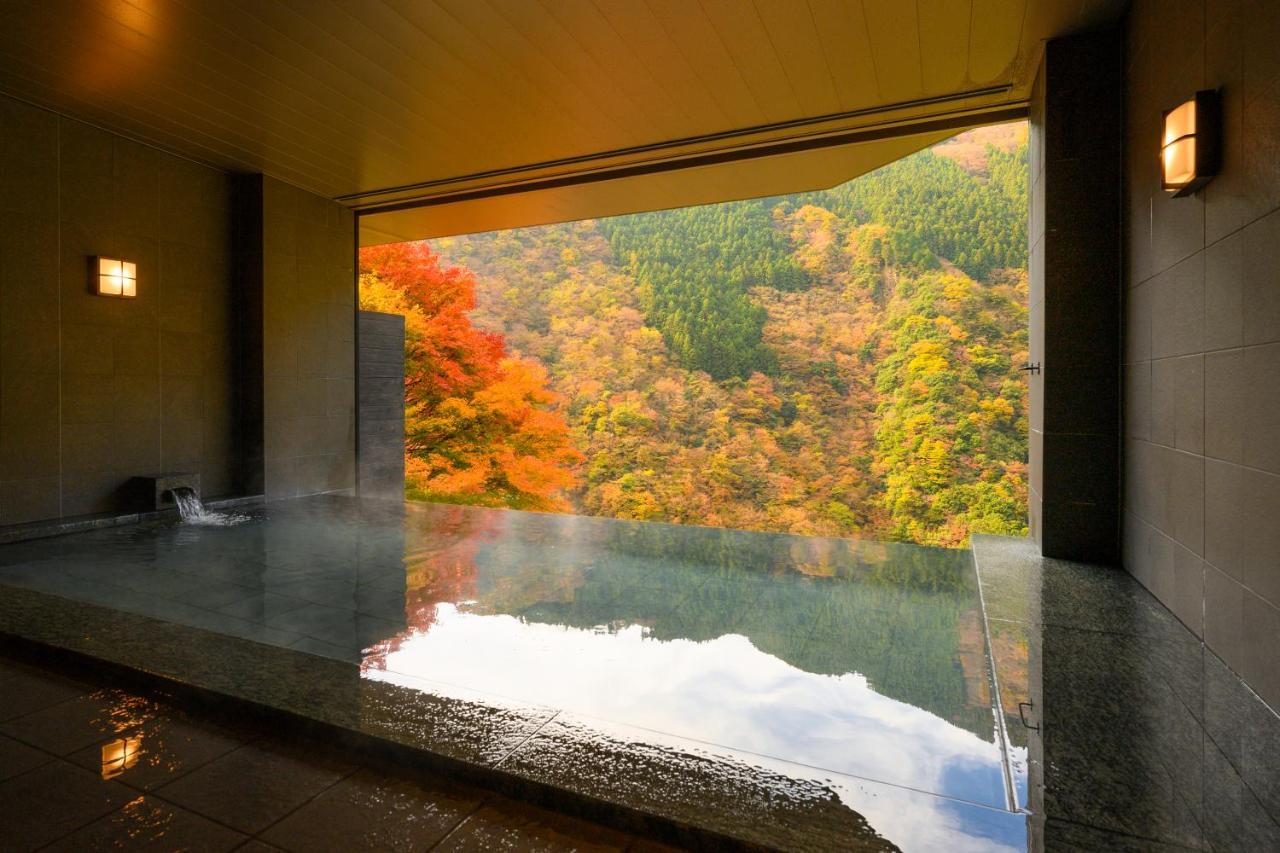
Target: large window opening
835, 363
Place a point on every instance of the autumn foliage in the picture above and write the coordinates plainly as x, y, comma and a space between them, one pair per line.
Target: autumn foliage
834, 363
480, 426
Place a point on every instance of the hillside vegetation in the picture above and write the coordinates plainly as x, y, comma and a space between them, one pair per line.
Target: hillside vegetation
836, 363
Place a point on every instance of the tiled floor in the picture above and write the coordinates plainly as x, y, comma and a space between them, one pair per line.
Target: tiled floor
85, 766
1146, 741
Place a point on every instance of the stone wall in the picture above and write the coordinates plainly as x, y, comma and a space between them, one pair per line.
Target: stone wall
1202, 343
381, 405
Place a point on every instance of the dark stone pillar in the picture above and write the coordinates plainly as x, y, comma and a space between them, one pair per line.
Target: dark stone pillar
1075, 298
380, 455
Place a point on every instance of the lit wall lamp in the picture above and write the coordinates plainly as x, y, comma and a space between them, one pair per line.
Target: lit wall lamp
1191, 144
114, 277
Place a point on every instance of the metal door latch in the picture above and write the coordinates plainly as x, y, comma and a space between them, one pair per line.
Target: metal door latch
1023, 715
1031, 367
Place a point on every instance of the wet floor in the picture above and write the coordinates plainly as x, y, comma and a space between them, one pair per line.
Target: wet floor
87, 766
858, 666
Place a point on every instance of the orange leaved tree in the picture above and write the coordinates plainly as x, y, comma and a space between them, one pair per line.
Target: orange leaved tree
481, 427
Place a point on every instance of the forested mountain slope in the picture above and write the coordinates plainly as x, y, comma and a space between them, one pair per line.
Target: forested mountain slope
840, 362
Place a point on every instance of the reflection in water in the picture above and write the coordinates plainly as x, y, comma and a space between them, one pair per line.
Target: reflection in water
861, 658
835, 679
119, 755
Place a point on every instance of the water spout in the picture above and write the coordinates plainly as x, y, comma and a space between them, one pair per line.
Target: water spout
194, 512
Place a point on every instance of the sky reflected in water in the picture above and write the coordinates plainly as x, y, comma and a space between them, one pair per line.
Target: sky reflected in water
860, 658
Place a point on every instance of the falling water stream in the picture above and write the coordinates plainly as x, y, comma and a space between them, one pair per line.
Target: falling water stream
194, 512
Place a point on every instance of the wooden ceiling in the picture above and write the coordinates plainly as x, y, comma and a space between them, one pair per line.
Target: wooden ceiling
467, 104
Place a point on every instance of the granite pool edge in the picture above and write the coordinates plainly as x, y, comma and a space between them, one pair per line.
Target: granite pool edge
96, 639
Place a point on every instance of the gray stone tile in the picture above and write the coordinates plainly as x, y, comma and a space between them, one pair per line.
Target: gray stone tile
72, 725
1259, 533
1261, 276
164, 748
1261, 639
1234, 819
524, 828
1189, 403
334, 651
1163, 401
17, 757
1261, 366
1141, 694
146, 823
1177, 325
1225, 421
340, 627
27, 691
1224, 510
1224, 617
1138, 401
1062, 836
45, 804
371, 810
261, 607
255, 845
1223, 297
1188, 598
252, 787
1019, 585
1186, 500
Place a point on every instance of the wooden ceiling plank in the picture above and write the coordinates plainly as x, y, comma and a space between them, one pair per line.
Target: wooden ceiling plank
895, 48
521, 57
584, 22
793, 32
420, 70
994, 39
195, 145
842, 32
126, 51
742, 32
636, 27
944, 44
540, 133
429, 32
258, 67
160, 115
690, 30
608, 89
299, 44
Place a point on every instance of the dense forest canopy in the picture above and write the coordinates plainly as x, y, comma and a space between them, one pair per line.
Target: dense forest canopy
839, 362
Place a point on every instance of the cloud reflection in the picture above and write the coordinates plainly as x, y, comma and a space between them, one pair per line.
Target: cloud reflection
724, 692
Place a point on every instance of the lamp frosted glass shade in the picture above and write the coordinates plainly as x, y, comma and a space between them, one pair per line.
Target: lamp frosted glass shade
1179, 122
1179, 159
116, 277
1190, 144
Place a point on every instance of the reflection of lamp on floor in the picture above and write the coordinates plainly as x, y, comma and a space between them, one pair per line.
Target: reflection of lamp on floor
119, 755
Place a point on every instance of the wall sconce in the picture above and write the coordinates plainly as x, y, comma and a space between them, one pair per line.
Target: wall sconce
1191, 143
114, 277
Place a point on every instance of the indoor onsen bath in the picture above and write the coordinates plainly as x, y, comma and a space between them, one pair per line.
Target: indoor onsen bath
818, 664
